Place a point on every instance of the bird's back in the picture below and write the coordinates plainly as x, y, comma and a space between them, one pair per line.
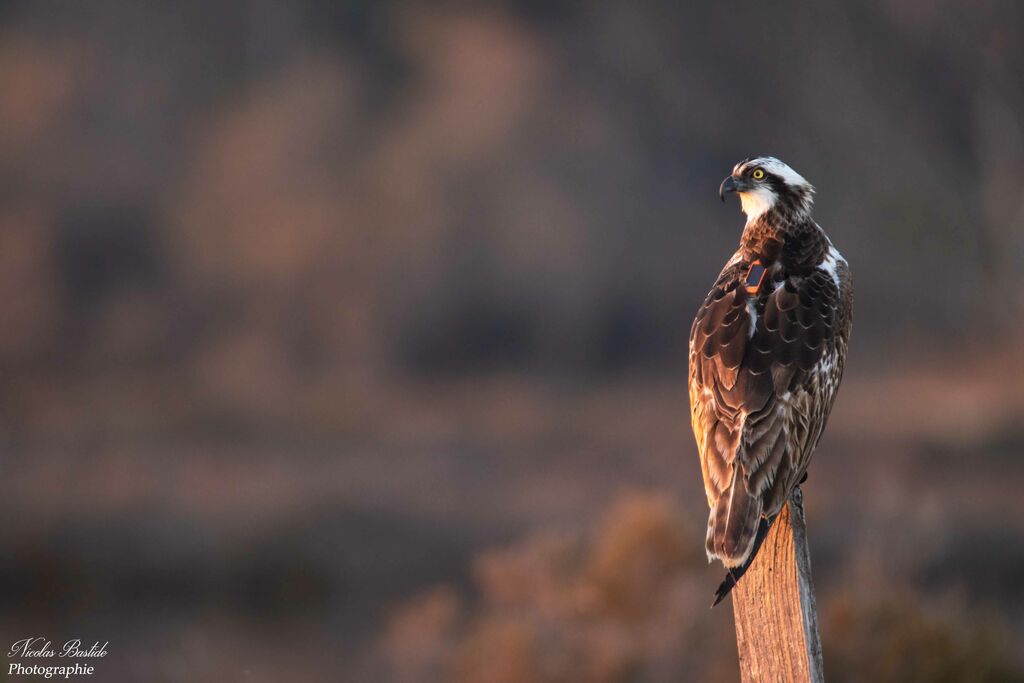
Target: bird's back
767, 350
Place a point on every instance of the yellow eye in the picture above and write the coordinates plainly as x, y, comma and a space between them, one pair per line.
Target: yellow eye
757, 174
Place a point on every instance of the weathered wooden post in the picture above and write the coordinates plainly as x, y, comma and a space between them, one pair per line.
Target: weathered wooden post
773, 606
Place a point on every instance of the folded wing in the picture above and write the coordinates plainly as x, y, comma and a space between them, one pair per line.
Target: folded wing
761, 384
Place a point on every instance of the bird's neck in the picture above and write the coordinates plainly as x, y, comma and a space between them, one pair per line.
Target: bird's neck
794, 239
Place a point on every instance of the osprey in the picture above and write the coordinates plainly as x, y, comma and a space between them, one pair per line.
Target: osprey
767, 351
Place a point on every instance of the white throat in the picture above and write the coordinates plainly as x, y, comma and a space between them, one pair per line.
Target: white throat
756, 202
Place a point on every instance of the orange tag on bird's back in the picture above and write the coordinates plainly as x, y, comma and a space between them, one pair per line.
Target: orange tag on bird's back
755, 274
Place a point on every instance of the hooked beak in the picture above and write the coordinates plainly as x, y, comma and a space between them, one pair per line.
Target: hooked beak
730, 184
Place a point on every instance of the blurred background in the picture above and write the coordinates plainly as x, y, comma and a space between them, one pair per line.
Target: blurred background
347, 340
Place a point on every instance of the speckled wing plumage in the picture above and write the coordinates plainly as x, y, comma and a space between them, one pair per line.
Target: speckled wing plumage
764, 370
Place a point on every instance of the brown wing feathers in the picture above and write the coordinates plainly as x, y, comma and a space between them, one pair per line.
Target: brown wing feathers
751, 356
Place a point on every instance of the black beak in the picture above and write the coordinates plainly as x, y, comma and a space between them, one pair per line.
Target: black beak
728, 185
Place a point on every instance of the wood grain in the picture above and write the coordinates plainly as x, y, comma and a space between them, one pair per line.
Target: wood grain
773, 607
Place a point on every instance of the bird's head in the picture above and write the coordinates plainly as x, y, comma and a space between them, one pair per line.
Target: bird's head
765, 183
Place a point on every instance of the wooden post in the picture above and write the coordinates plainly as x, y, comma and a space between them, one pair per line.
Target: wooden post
773, 606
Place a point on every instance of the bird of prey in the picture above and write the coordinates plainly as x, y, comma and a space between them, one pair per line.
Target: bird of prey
767, 351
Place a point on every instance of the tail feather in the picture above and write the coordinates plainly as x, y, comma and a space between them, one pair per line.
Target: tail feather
735, 573
733, 524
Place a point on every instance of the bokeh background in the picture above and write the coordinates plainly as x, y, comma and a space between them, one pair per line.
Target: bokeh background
346, 340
